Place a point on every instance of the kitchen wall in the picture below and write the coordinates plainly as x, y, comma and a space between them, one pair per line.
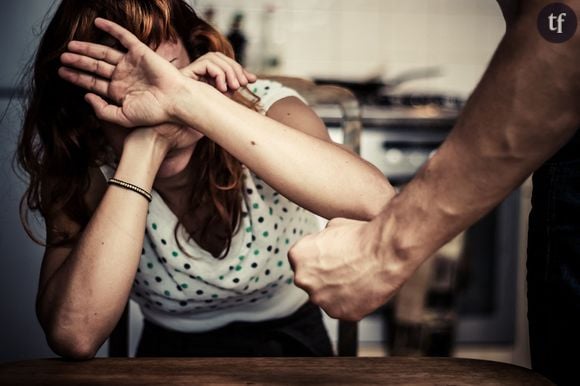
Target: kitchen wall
361, 39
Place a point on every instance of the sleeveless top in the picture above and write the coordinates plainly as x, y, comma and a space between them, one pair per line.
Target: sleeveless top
253, 282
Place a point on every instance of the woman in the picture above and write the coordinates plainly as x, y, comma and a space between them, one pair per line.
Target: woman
175, 148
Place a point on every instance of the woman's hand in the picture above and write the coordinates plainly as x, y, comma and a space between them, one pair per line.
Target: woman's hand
139, 84
220, 71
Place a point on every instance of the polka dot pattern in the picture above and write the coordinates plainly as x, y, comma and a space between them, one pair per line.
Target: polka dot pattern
256, 268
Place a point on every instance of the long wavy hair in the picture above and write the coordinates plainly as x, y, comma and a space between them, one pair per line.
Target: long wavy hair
61, 139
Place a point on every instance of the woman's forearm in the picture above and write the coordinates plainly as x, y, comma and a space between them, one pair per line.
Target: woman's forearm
315, 174
82, 301
318, 175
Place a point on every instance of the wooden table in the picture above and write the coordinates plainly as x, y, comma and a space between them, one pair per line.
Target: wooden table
267, 371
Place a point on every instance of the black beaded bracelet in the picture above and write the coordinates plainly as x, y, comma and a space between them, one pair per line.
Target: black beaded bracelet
128, 186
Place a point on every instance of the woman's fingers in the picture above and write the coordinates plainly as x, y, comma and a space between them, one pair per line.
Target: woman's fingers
96, 51
217, 74
244, 76
106, 111
250, 76
88, 64
86, 81
233, 70
126, 38
215, 65
228, 75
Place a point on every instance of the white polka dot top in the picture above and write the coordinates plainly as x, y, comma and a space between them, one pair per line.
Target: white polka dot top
254, 282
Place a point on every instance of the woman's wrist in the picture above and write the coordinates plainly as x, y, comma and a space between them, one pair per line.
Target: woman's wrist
143, 153
149, 141
190, 103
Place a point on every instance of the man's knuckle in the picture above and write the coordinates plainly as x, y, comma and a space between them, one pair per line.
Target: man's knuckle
353, 317
318, 298
332, 311
292, 256
301, 282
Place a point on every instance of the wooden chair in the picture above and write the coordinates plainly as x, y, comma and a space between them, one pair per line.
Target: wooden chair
351, 125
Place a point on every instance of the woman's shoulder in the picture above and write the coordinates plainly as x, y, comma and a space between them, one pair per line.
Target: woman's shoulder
271, 91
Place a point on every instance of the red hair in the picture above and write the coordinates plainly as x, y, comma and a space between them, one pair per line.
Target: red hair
61, 139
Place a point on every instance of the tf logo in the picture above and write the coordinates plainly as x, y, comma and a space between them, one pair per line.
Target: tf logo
557, 23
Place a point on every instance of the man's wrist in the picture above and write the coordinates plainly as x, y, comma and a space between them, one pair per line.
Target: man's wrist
400, 237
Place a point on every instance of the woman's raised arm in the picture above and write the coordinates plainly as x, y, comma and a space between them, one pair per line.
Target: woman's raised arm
286, 151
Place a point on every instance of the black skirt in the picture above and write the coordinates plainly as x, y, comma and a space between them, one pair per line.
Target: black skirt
298, 335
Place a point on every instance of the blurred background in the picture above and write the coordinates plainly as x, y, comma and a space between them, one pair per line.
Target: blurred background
366, 39
411, 65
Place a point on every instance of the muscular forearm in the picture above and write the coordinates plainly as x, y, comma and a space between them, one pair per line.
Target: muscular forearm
522, 112
314, 173
81, 303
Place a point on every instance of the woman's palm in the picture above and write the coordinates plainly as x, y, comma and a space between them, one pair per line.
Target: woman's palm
128, 89
137, 85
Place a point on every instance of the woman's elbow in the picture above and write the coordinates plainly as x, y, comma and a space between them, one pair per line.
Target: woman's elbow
69, 344
72, 347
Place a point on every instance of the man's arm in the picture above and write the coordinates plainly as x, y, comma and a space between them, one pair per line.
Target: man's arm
524, 109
